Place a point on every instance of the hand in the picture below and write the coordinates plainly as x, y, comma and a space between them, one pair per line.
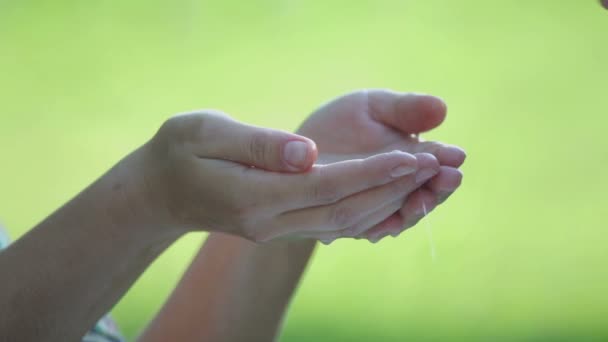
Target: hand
369, 122
208, 171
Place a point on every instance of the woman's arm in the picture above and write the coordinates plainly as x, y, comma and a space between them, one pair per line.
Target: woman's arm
235, 290
196, 173
67, 272
63, 275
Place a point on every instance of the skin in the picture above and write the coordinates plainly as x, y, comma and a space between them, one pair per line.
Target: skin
236, 290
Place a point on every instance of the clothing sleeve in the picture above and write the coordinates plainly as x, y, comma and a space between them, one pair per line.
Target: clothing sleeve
104, 331
3, 238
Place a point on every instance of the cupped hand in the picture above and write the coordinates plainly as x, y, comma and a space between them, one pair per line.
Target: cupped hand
368, 122
209, 172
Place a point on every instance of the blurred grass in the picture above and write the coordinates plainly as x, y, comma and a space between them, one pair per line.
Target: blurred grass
521, 247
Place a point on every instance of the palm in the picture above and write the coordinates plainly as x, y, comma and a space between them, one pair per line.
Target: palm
345, 126
368, 122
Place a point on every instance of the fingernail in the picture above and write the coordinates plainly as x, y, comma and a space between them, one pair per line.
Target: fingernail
295, 153
402, 170
424, 175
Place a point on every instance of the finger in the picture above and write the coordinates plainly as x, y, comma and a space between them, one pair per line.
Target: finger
390, 226
418, 204
374, 219
216, 135
406, 112
448, 155
350, 210
330, 183
424, 161
359, 228
444, 183
384, 224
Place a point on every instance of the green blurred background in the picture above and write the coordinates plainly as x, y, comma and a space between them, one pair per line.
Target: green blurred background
521, 248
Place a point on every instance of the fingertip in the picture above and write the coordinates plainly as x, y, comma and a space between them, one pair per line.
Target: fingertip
432, 102
409, 113
451, 155
455, 176
425, 112
434, 107
405, 158
447, 181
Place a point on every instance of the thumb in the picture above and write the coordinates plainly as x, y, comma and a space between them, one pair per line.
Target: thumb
408, 113
264, 148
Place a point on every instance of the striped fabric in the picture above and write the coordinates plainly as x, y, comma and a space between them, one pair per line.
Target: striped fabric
104, 331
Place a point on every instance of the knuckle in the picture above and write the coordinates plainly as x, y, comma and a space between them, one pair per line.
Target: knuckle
324, 194
249, 223
184, 127
258, 146
257, 236
244, 226
249, 234
324, 191
341, 216
348, 232
191, 126
329, 238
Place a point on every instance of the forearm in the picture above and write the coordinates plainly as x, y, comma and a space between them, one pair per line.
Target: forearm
235, 290
74, 266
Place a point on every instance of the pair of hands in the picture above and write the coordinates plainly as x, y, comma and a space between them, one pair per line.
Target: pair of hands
370, 177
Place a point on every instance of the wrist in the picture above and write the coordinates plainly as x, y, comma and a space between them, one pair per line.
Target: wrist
136, 193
